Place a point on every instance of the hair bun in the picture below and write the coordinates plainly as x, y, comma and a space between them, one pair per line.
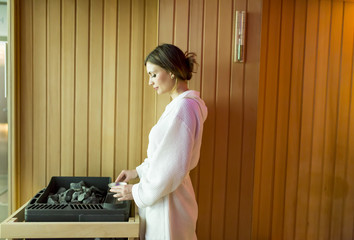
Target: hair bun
190, 62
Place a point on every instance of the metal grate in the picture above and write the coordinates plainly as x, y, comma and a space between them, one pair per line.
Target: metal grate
45, 206
86, 206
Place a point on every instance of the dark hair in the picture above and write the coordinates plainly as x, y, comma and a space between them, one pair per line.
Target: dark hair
173, 60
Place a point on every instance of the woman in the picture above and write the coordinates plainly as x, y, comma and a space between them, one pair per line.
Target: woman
165, 195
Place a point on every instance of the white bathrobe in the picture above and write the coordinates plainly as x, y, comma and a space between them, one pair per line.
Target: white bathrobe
165, 195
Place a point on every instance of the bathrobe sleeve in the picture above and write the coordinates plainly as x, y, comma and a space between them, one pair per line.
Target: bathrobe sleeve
169, 164
142, 168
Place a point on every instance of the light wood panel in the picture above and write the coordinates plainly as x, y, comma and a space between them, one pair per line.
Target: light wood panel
81, 88
95, 89
67, 87
53, 88
109, 86
123, 86
39, 94
26, 112
81, 65
303, 173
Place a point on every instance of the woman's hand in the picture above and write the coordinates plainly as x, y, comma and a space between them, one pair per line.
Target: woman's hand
127, 175
123, 192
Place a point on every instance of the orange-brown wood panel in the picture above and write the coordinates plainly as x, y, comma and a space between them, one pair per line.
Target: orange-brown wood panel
260, 116
319, 119
195, 45
341, 186
269, 124
347, 231
206, 165
307, 120
249, 126
294, 119
313, 146
282, 119
222, 93
331, 119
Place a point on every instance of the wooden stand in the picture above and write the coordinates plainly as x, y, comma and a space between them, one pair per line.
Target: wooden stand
14, 227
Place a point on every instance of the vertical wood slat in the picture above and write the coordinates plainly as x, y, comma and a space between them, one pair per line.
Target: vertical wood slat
166, 35
26, 112
195, 45
260, 115
67, 87
294, 119
205, 229
269, 130
81, 87
347, 228
136, 84
39, 94
319, 119
331, 119
53, 89
95, 88
149, 102
285, 57
109, 86
307, 120
318, 190
181, 25
340, 192
223, 73
249, 126
123, 88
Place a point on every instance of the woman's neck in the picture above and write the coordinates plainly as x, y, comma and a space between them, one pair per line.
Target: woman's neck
181, 88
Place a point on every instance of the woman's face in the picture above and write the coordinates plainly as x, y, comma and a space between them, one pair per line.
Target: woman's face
159, 78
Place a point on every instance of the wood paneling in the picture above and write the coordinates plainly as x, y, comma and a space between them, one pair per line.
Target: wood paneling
275, 163
82, 82
304, 170
223, 180
86, 109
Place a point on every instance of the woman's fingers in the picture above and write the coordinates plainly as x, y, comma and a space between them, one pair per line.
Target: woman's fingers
121, 177
123, 192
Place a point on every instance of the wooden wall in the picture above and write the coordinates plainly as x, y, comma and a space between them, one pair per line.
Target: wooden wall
223, 181
85, 109
304, 171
